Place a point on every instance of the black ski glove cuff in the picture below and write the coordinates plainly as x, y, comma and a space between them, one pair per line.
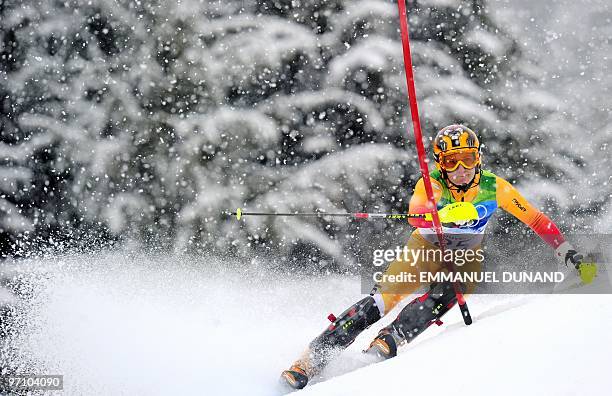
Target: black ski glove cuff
573, 257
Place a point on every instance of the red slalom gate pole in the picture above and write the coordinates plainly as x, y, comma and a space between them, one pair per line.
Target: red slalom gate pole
418, 137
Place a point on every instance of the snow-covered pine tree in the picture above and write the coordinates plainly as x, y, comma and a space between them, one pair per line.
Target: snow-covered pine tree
572, 68
468, 70
89, 82
168, 114
267, 151
17, 217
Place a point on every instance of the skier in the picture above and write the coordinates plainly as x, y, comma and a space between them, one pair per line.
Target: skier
458, 177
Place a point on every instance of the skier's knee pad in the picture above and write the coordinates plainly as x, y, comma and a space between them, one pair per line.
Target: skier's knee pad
421, 312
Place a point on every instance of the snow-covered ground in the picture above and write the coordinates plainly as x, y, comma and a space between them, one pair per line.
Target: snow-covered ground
123, 324
532, 345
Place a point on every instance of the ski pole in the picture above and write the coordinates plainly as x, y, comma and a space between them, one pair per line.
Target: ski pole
459, 211
388, 216
418, 138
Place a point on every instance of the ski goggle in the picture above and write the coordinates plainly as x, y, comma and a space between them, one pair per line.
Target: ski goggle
450, 161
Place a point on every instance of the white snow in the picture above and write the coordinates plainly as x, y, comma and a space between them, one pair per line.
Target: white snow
309, 100
124, 324
533, 345
376, 53
487, 41
11, 217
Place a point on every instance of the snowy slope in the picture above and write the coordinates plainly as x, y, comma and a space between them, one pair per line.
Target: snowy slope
558, 345
122, 324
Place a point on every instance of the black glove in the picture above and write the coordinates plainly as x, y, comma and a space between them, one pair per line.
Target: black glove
573, 257
587, 270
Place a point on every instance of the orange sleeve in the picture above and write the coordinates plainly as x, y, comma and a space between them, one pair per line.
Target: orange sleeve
509, 199
420, 204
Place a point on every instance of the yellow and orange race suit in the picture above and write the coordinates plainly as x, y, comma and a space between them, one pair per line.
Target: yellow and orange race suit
487, 193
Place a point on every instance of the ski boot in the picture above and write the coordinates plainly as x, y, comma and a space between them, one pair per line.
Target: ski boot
417, 316
340, 334
295, 377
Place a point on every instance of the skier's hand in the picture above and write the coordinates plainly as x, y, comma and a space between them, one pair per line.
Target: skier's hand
458, 214
573, 257
460, 223
586, 270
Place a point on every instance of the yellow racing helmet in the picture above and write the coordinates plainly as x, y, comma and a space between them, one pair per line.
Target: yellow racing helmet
456, 145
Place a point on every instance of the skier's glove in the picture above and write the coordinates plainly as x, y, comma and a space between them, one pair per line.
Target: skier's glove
586, 270
458, 214
461, 223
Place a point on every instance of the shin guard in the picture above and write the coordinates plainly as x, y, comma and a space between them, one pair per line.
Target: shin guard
417, 316
342, 332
